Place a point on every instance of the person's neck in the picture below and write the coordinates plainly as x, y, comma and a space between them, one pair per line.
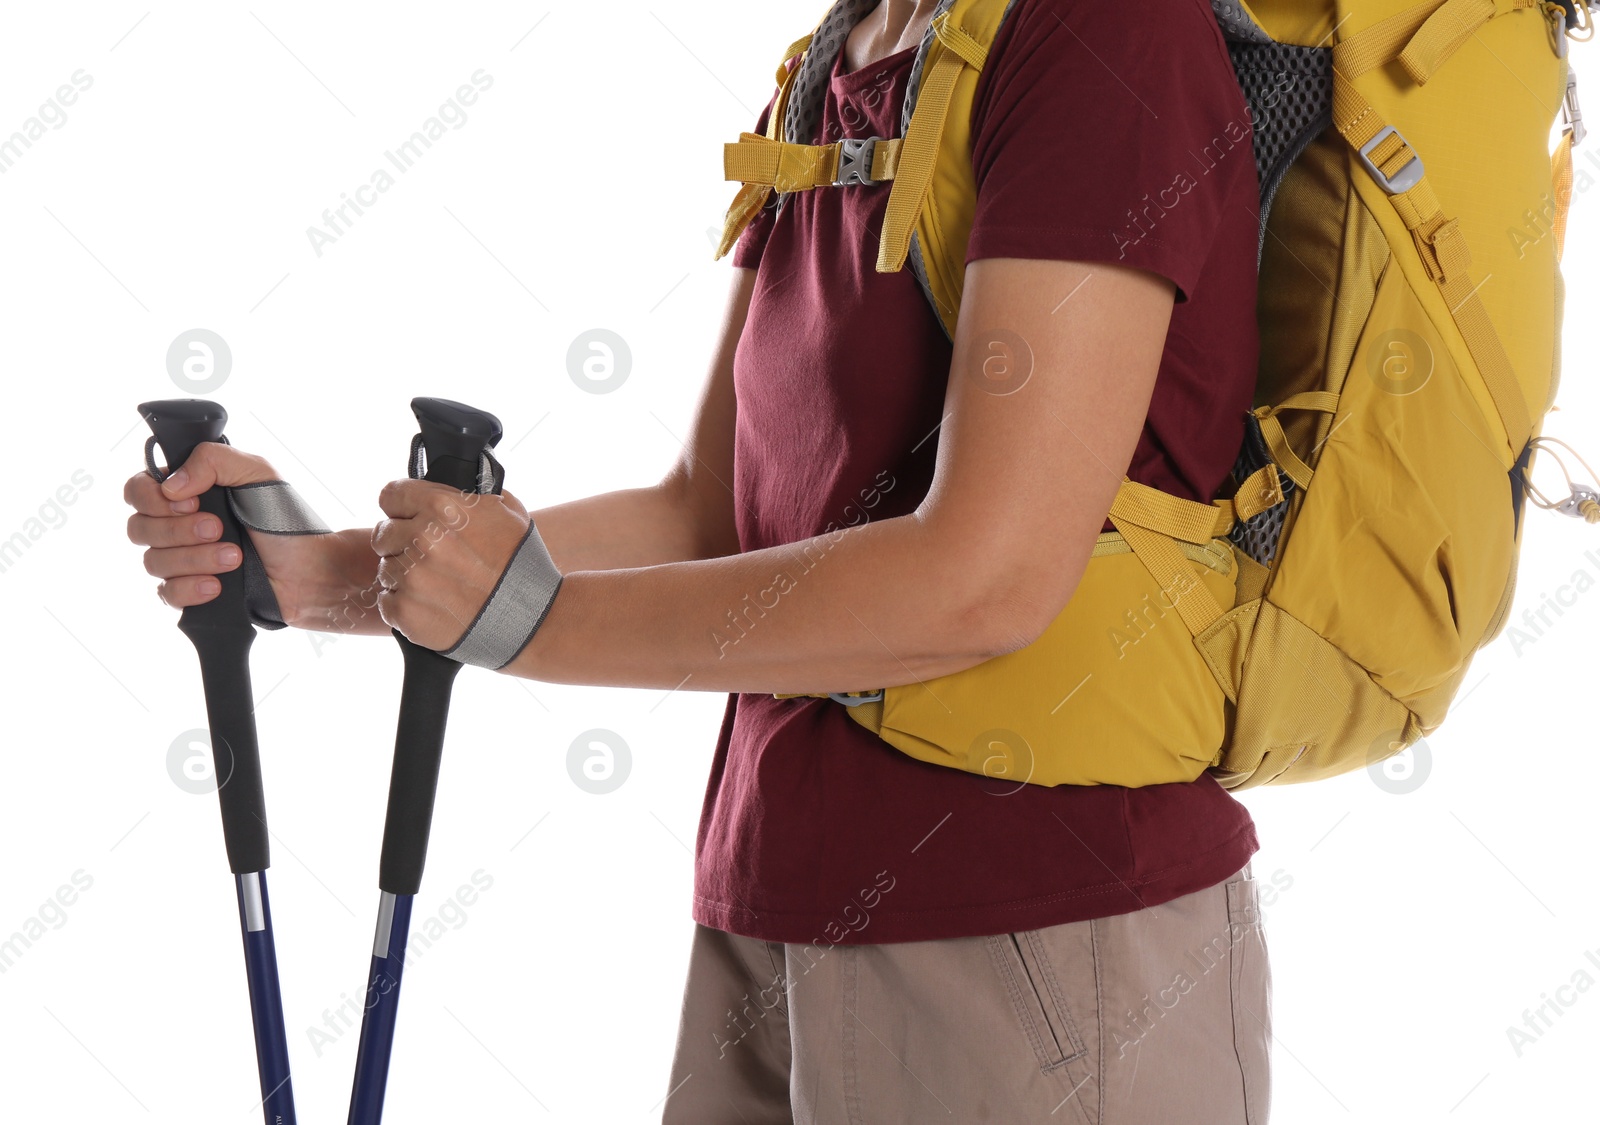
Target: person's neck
892, 26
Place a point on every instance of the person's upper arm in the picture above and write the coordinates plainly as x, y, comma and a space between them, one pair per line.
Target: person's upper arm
1064, 313
1107, 136
1049, 383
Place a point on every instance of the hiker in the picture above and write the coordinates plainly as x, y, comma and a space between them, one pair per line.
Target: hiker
865, 502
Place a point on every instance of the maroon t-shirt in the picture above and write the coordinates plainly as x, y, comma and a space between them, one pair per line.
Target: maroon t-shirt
1093, 140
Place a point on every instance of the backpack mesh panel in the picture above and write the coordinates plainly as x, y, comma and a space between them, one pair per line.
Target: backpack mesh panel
1289, 91
803, 115
1235, 24
1290, 94
1258, 536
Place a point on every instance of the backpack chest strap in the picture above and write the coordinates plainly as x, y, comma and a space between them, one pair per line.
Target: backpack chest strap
786, 166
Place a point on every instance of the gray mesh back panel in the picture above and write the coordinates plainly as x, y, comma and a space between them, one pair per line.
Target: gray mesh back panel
1258, 536
803, 115
1237, 26
1290, 94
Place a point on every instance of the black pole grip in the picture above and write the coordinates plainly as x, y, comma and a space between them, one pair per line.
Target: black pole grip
454, 437
222, 634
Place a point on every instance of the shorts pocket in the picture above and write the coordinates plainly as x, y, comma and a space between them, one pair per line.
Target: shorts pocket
1037, 997
1250, 984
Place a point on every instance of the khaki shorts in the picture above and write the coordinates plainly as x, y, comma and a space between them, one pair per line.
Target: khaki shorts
1159, 1016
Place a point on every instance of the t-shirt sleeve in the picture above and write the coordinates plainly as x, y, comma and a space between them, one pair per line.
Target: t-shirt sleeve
747, 250
1109, 134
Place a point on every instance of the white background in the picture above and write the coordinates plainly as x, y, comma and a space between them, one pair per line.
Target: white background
580, 193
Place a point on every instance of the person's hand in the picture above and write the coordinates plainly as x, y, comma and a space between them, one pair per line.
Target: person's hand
440, 554
184, 551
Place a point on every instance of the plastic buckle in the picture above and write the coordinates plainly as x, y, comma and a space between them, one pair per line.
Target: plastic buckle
855, 161
857, 700
1407, 178
1571, 114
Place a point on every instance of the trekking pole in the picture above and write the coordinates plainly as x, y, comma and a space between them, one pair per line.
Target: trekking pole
222, 631
456, 441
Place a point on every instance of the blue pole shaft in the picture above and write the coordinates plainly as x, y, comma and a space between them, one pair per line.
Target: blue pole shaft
382, 1005
266, 1002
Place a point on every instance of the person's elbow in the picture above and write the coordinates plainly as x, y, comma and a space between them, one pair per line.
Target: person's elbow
1005, 603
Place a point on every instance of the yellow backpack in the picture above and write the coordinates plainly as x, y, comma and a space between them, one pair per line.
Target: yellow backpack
1322, 615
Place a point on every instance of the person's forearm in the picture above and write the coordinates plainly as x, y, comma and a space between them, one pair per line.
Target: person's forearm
872, 606
632, 527
339, 595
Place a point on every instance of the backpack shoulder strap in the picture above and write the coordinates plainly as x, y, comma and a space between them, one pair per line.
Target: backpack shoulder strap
930, 215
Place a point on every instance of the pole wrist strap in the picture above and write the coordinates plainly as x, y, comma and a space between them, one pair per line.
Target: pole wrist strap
515, 609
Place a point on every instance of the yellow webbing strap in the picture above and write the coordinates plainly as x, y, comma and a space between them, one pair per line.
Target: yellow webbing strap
1167, 564
1259, 491
1325, 401
755, 159
886, 159
1444, 31
1421, 37
1282, 452
1173, 516
1373, 46
1444, 253
922, 140
1153, 522
789, 52
1278, 442
750, 198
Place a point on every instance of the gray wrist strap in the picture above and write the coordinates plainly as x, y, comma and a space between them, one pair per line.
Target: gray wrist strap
271, 507
275, 508
515, 609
